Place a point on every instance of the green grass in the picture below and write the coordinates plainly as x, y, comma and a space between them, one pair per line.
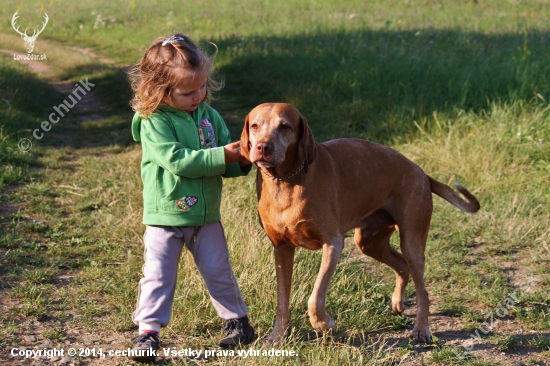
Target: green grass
460, 87
18, 113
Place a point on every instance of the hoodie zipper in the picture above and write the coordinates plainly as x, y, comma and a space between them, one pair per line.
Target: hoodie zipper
203, 196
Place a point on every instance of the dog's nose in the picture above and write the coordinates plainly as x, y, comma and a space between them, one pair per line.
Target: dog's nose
264, 148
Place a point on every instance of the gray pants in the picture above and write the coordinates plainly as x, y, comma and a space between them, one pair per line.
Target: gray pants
163, 246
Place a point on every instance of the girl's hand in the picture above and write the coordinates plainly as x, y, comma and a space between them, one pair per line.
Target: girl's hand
233, 154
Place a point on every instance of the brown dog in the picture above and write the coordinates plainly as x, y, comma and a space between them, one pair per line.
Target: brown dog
311, 194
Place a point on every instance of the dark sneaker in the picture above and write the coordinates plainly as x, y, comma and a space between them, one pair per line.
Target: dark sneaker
237, 331
145, 348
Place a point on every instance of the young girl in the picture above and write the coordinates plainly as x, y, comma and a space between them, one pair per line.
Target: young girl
186, 151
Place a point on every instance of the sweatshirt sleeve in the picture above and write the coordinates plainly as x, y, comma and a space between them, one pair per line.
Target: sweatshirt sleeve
161, 146
234, 169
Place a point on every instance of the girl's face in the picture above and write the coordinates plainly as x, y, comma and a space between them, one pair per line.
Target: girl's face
187, 95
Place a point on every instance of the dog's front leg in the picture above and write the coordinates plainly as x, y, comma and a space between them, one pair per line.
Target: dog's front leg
318, 316
284, 265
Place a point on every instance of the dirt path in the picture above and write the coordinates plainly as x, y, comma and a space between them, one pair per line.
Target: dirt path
30, 333
450, 330
85, 110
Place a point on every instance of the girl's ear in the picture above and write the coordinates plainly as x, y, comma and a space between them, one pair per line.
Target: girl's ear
167, 96
307, 142
245, 140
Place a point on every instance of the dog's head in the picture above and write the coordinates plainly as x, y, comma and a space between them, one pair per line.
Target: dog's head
274, 133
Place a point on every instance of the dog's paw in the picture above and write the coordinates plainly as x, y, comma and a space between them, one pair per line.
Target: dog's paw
273, 340
421, 335
322, 325
397, 306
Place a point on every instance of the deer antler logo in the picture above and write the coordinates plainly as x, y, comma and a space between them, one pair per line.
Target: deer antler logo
29, 40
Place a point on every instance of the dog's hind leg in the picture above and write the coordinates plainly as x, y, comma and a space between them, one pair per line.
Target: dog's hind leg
413, 243
373, 239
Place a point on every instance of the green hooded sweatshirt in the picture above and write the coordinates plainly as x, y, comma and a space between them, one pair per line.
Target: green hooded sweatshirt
182, 165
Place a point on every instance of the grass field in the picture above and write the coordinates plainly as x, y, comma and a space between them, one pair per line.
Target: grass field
459, 87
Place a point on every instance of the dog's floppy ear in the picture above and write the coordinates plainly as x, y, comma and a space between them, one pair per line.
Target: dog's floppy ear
307, 142
245, 140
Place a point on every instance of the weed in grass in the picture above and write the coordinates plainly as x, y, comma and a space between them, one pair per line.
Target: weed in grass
470, 326
473, 316
28, 292
540, 342
38, 275
12, 174
448, 356
508, 342
8, 330
36, 308
452, 307
408, 349
58, 335
400, 322
535, 311
34, 227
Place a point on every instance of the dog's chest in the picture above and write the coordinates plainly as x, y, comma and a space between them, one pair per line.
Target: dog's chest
288, 226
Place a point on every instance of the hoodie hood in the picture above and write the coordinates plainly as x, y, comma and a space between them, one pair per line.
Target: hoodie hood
136, 127
136, 121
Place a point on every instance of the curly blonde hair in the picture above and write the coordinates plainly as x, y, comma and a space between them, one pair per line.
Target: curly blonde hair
164, 65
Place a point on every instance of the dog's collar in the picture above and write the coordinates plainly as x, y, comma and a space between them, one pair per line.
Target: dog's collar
283, 178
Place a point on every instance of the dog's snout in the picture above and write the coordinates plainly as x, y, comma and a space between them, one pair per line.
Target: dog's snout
264, 148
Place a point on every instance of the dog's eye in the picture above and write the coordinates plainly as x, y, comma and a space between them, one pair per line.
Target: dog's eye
254, 127
285, 127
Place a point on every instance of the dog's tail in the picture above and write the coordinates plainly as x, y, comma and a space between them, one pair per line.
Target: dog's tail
445, 192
